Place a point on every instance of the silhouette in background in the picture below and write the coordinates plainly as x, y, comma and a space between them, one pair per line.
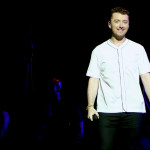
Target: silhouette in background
4, 122
63, 124
7, 120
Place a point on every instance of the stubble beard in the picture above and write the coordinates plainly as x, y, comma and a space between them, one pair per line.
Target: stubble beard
118, 37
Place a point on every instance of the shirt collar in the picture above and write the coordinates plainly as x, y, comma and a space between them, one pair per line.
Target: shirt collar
115, 46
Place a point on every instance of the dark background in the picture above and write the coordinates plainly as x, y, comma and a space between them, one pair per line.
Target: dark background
63, 34
43, 40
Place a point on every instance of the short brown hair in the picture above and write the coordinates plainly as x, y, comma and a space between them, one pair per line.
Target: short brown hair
119, 10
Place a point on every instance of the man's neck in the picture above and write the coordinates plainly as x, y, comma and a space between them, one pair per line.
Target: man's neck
116, 41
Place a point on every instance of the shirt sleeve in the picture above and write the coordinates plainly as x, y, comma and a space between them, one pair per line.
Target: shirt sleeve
93, 68
144, 64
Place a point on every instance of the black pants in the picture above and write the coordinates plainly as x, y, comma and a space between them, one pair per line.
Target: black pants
119, 130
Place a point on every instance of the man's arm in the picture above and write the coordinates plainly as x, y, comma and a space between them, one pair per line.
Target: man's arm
146, 83
92, 89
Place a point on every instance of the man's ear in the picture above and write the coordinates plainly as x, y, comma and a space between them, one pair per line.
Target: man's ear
109, 24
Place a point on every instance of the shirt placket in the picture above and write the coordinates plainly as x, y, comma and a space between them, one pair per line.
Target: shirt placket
122, 80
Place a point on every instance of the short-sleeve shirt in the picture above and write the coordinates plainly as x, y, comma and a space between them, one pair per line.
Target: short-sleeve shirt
118, 69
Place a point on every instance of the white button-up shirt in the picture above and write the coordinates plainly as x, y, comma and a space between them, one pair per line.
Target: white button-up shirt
119, 69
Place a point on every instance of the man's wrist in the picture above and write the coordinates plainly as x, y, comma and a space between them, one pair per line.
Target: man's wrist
89, 106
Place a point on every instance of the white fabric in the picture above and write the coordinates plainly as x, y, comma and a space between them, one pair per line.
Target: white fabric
119, 69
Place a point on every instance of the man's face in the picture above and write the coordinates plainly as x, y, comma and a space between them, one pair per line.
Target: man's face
119, 24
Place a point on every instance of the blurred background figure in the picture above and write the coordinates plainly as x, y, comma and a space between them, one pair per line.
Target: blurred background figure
4, 122
63, 124
57, 88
